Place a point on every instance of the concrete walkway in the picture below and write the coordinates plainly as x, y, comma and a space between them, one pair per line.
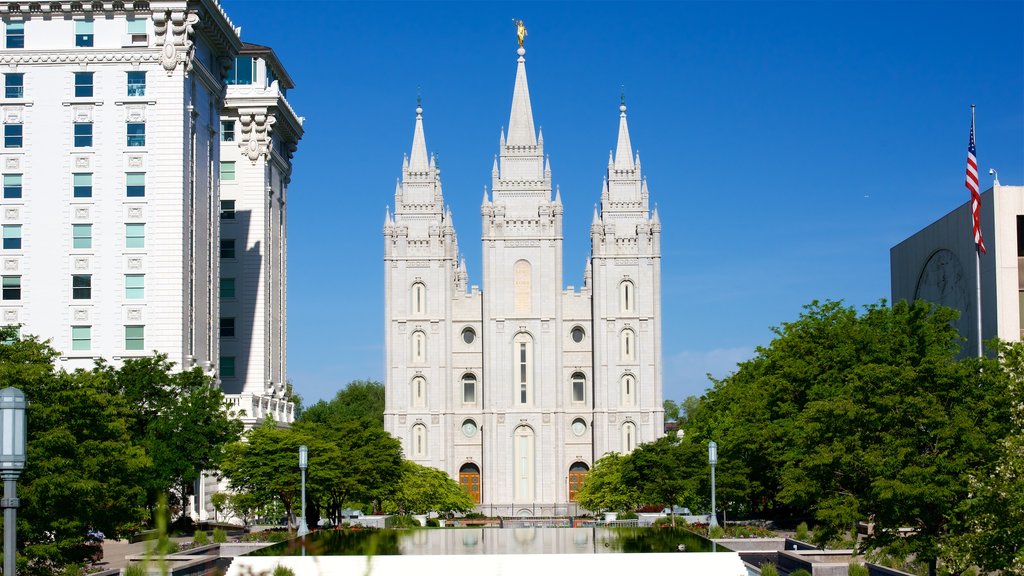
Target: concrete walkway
115, 551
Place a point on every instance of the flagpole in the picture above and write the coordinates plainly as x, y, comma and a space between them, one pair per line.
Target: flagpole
977, 258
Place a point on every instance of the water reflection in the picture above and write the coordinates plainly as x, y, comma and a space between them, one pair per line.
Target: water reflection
461, 541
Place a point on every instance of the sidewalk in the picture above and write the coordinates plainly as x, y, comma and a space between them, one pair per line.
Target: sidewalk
115, 551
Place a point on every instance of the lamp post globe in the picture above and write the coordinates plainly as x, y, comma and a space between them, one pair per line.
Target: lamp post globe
303, 464
713, 459
13, 437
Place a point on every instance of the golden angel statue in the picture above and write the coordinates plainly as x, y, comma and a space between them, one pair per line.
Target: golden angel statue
520, 31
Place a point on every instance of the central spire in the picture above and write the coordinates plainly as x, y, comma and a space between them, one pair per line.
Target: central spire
520, 123
418, 158
623, 149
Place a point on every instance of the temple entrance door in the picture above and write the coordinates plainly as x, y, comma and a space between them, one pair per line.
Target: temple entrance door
469, 476
577, 472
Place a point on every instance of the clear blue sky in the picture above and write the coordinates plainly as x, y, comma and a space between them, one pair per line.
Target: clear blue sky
788, 146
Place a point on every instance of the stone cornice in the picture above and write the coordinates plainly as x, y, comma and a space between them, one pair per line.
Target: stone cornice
83, 57
86, 7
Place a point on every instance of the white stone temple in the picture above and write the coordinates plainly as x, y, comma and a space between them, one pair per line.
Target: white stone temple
517, 388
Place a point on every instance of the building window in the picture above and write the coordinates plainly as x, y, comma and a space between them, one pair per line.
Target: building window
419, 441
82, 185
81, 236
134, 286
243, 71
577, 334
15, 35
227, 171
134, 337
137, 83
419, 347
12, 185
12, 236
81, 287
579, 426
628, 437
14, 85
227, 248
136, 134
13, 135
83, 134
227, 366
137, 33
469, 428
579, 387
135, 184
419, 392
83, 85
227, 131
83, 33
628, 390
627, 349
227, 209
522, 287
523, 466
627, 297
134, 235
81, 338
419, 299
12, 287
227, 327
227, 287
468, 335
469, 389
522, 349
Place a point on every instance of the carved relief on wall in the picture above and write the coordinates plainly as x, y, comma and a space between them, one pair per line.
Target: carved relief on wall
257, 131
173, 34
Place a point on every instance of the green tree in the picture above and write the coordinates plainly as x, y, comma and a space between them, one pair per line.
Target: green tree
424, 489
671, 410
604, 487
667, 471
360, 400
84, 471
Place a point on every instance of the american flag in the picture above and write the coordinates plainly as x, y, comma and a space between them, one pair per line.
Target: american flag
972, 185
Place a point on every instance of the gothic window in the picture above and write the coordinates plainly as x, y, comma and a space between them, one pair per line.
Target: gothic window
419, 392
468, 389
628, 390
628, 437
523, 444
579, 387
522, 287
419, 347
627, 297
419, 299
419, 441
627, 346
522, 354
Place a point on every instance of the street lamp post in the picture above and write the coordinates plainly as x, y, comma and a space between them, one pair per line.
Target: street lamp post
13, 432
303, 463
713, 459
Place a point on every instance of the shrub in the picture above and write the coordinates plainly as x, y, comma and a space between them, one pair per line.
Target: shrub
134, 570
801, 532
663, 522
800, 572
401, 522
769, 569
628, 515
433, 523
219, 536
283, 571
200, 539
474, 516
857, 570
716, 532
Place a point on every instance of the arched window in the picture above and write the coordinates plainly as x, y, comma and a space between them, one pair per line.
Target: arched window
522, 287
419, 299
523, 464
469, 478
579, 387
628, 437
577, 472
627, 297
628, 390
468, 389
419, 441
627, 347
419, 347
522, 358
419, 392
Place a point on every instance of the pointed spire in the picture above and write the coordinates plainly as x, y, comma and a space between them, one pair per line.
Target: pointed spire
398, 187
611, 159
485, 195
540, 136
418, 157
387, 215
494, 169
654, 216
501, 142
520, 123
623, 149
596, 217
547, 166
558, 195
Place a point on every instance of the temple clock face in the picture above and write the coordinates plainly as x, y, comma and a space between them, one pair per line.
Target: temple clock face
942, 281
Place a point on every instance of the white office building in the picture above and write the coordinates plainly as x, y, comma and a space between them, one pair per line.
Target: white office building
121, 137
938, 264
516, 389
